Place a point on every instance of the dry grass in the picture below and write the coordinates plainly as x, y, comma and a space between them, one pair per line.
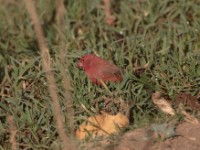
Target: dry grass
61, 27
46, 59
109, 17
13, 132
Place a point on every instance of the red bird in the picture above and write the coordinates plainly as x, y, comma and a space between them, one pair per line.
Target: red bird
98, 69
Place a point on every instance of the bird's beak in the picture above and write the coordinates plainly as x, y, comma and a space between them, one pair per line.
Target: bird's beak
79, 65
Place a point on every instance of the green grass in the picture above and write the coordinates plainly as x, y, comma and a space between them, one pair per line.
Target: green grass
164, 33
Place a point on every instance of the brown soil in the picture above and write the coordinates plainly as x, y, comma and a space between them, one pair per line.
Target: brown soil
187, 137
180, 136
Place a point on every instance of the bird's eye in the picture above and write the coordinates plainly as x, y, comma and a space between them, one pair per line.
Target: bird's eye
82, 60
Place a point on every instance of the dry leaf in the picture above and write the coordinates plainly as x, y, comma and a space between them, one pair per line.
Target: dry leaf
102, 125
188, 117
139, 70
136, 67
109, 17
162, 103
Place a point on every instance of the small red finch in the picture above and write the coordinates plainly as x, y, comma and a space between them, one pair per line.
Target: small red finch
98, 69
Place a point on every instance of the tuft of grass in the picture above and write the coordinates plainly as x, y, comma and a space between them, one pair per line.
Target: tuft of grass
164, 33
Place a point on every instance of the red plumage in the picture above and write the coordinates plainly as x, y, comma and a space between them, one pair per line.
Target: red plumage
98, 69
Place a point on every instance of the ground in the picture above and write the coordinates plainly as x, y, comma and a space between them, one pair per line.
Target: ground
155, 43
187, 137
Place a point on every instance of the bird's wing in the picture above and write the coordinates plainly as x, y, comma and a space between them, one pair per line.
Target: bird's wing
108, 72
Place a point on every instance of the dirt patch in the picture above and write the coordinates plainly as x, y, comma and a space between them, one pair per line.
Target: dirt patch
187, 138
188, 100
170, 136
